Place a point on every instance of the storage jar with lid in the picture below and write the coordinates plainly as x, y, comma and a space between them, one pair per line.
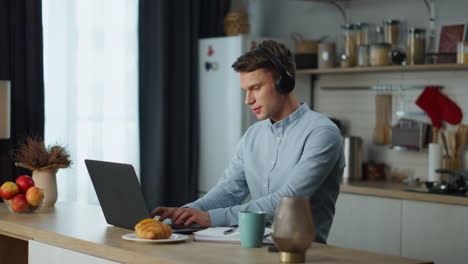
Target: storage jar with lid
415, 46
392, 31
350, 43
362, 34
462, 52
380, 54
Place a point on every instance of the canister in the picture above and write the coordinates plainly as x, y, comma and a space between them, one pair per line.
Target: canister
392, 31
415, 46
380, 54
353, 158
462, 52
363, 55
350, 44
326, 55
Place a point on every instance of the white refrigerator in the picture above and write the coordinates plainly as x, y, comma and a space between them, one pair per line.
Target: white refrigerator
223, 115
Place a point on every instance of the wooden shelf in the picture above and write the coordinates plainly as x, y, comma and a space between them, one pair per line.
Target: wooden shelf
422, 67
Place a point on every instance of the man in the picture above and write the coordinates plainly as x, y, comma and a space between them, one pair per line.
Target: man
292, 151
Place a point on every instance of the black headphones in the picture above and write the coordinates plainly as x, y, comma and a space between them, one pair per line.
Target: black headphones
285, 82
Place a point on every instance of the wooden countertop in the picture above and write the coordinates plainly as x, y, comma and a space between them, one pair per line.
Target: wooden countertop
392, 190
84, 229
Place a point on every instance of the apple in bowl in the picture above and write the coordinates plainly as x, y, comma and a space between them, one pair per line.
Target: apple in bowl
8, 190
22, 197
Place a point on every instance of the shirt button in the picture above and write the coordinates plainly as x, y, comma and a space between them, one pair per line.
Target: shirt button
277, 138
265, 185
272, 162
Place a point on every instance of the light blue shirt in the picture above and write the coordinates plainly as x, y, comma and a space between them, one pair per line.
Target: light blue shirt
301, 155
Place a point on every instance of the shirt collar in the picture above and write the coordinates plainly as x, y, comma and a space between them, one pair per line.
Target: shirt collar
279, 126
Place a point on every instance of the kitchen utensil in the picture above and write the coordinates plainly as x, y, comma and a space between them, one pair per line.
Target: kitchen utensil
353, 159
462, 134
452, 141
444, 142
435, 134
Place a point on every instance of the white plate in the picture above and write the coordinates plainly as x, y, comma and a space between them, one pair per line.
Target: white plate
172, 238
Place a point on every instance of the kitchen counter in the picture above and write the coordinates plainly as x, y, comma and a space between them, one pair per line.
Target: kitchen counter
399, 191
83, 229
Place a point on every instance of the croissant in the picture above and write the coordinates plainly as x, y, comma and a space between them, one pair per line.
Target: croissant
152, 229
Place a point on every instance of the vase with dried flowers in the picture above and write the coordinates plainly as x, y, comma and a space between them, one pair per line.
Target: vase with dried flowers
44, 162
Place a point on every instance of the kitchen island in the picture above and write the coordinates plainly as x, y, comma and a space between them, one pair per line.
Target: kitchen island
78, 234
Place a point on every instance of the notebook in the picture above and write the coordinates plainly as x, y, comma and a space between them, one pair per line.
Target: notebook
120, 196
218, 234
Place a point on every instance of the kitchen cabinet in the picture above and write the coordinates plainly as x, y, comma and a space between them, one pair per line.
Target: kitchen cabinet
435, 231
407, 228
368, 223
40, 253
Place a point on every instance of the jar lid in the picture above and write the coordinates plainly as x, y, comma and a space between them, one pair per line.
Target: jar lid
363, 24
349, 26
380, 45
392, 22
416, 30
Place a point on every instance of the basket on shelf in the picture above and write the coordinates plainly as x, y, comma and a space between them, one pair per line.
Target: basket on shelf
236, 23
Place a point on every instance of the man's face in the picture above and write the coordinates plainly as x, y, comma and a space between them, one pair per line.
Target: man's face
261, 95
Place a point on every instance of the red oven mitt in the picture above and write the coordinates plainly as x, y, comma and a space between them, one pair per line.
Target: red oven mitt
439, 107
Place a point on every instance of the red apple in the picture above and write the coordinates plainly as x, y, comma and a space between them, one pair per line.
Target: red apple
18, 203
8, 190
34, 196
24, 183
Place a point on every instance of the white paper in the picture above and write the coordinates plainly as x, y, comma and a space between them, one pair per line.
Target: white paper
434, 161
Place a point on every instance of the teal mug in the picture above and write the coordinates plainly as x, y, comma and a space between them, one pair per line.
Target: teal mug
252, 228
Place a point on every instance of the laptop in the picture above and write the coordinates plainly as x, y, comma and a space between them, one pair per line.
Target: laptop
120, 195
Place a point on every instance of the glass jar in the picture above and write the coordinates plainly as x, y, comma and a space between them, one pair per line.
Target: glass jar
380, 54
363, 55
362, 34
350, 44
462, 52
392, 31
415, 46
379, 35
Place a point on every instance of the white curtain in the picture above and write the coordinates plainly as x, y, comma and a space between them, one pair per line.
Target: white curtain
91, 87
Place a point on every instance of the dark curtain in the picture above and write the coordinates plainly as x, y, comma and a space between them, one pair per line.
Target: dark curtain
21, 62
168, 94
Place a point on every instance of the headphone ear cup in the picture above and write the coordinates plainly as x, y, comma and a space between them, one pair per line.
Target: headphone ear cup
285, 84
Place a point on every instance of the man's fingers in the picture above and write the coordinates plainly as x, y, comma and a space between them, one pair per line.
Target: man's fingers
177, 212
190, 220
182, 217
165, 215
157, 211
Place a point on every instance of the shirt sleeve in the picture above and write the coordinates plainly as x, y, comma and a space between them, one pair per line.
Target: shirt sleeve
322, 151
232, 188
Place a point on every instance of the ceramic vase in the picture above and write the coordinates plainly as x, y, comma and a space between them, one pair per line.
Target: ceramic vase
294, 229
46, 180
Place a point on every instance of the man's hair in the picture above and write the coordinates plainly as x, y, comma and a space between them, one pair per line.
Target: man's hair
252, 61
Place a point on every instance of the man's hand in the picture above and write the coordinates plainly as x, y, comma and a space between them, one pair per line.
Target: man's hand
163, 212
190, 215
